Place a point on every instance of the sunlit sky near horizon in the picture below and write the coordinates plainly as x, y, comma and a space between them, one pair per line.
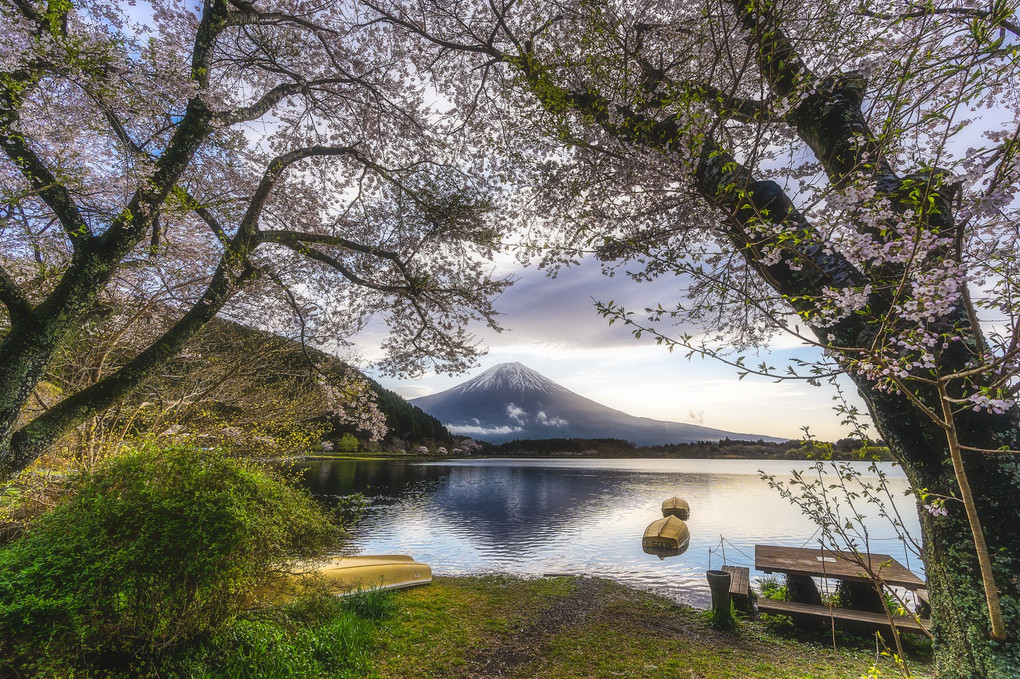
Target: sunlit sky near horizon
552, 327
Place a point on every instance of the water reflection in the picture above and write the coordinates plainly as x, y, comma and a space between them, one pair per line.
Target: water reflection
572, 516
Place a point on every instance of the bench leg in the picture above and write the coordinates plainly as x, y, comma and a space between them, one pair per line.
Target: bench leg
802, 589
861, 596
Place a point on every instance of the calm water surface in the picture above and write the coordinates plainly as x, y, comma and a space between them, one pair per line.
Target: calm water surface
540, 516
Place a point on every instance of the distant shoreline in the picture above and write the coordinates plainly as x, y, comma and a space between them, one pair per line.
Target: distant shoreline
847, 449
616, 449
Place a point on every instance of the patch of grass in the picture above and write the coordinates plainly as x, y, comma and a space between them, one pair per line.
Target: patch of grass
318, 636
370, 604
438, 630
565, 628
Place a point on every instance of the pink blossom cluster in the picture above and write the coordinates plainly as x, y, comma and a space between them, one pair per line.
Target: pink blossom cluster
352, 401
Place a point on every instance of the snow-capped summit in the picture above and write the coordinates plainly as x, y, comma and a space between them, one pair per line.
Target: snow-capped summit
512, 401
509, 377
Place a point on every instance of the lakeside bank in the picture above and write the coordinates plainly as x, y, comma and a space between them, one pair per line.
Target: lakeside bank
497, 626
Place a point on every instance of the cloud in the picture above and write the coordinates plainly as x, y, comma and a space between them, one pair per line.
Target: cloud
516, 414
561, 311
550, 421
470, 430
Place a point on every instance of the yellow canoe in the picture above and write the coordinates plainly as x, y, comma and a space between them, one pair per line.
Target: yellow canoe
677, 507
349, 574
666, 533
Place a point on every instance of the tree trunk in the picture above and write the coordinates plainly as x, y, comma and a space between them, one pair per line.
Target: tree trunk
23, 357
960, 625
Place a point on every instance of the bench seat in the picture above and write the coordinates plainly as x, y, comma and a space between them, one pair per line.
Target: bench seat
740, 586
906, 624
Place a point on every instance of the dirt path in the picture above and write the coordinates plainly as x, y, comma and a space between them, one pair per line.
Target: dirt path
505, 659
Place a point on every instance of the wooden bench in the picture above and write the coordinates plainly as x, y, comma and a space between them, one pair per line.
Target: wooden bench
740, 586
792, 608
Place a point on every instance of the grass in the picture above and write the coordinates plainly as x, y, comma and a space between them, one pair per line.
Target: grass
566, 628
502, 627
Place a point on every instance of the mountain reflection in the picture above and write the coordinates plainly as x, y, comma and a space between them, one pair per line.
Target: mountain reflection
504, 507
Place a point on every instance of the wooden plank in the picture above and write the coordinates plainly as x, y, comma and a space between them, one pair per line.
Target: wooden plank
903, 623
740, 579
818, 562
740, 587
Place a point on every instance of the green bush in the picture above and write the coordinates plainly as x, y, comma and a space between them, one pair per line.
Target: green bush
772, 588
348, 443
155, 548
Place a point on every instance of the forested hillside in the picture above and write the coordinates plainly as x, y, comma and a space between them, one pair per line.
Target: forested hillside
233, 386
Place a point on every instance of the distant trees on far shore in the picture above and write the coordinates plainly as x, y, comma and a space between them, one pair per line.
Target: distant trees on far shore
843, 449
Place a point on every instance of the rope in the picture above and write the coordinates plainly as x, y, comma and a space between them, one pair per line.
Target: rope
721, 548
812, 537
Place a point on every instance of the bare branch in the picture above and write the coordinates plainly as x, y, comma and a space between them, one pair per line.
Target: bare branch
273, 97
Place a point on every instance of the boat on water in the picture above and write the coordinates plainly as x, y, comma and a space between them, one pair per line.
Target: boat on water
677, 507
667, 533
351, 574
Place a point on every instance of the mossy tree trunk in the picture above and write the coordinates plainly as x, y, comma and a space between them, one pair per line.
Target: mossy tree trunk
960, 623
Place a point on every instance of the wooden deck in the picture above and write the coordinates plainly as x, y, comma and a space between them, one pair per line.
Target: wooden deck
903, 623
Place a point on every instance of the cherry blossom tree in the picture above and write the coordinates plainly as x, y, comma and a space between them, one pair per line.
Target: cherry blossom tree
846, 172
258, 161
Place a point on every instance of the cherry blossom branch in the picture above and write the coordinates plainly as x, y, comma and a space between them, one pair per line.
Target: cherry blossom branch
829, 117
421, 30
743, 370
282, 236
34, 170
335, 264
274, 96
246, 15
998, 21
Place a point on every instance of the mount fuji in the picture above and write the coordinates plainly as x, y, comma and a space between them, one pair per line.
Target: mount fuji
511, 401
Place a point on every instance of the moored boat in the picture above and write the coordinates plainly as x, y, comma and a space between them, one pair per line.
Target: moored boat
666, 533
677, 507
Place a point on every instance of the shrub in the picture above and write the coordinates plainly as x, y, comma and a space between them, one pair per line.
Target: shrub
772, 588
348, 443
154, 548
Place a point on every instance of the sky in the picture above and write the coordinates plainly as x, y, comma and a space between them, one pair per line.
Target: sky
552, 327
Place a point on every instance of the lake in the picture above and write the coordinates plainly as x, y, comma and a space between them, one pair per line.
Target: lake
580, 516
